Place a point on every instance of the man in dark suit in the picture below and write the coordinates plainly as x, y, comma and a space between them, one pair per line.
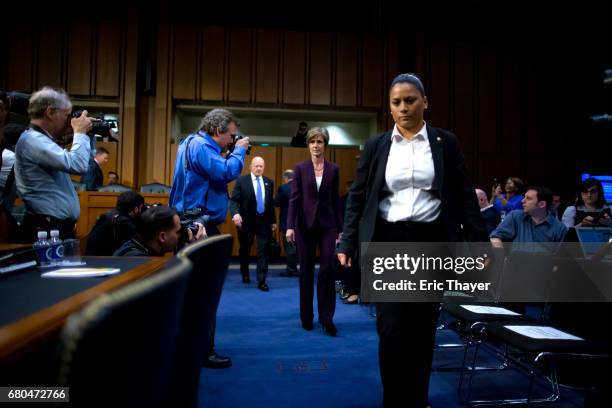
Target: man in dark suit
490, 217
94, 178
282, 200
252, 208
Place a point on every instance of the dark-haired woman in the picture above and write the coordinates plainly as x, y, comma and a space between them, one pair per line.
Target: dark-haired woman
411, 186
590, 209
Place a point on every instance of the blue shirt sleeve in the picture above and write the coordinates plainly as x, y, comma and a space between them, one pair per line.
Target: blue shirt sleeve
506, 231
217, 168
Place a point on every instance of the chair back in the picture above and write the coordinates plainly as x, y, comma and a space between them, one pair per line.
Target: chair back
123, 342
155, 188
210, 258
114, 188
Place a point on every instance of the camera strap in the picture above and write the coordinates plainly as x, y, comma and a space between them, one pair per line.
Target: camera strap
187, 166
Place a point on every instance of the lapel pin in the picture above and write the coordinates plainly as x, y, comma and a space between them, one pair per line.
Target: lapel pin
439, 139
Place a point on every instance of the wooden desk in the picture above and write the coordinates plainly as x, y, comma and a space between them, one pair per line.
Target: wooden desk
27, 333
94, 203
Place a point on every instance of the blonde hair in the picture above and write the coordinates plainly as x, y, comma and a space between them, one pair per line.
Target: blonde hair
318, 131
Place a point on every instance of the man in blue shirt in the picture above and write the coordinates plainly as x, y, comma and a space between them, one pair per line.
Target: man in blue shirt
199, 186
532, 224
43, 168
201, 173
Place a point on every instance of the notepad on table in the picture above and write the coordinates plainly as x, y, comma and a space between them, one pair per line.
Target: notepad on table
543, 333
80, 272
489, 310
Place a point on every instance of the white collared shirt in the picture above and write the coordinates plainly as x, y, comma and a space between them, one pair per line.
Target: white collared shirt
263, 186
409, 178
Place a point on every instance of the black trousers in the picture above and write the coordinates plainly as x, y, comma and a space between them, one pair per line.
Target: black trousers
32, 223
211, 231
260, 228
406, 331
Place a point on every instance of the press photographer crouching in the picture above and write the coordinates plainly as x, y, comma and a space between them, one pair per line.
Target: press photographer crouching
159, 231
43, 168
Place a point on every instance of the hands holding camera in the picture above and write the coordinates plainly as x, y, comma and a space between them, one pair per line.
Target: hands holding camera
82, 123
243, 142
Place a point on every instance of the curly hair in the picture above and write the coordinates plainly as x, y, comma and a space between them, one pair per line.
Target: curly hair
217, 120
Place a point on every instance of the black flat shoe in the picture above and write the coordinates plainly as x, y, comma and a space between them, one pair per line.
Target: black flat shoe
307, 326
246, 279
263, 287
216, 361
329, 329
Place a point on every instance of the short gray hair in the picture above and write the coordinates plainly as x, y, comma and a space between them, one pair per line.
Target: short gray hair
288, 174
48, 97
217, 119
318, 131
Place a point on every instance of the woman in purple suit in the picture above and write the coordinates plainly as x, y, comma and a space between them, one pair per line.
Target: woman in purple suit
314, 217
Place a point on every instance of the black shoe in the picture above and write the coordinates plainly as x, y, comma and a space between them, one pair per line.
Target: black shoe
246, 279
329, 329
263, 287
216, 361
307, 326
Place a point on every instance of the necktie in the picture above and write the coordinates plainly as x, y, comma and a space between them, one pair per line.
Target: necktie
259, 196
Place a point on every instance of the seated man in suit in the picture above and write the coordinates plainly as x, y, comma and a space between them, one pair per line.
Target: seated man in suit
113, 178
489, 215
94, 178
115, 227
158, 232
252, 211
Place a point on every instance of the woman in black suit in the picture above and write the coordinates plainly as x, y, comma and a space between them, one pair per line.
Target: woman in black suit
411, 186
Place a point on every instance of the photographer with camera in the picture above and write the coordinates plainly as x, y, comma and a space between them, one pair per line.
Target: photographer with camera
43, 168
158, 231
199, 186
116, 226
201, 173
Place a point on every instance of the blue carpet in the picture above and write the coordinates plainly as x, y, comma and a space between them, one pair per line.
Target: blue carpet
276, 363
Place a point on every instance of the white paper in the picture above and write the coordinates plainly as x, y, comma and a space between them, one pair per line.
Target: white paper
542, 333
489, 310
80, 272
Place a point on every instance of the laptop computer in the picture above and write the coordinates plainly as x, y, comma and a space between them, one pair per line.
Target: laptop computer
592, 239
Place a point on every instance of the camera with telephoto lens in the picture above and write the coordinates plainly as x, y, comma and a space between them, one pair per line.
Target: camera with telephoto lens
100, 127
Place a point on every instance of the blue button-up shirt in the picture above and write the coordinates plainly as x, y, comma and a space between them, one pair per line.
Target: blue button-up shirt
42, 176
519, 227
204, 184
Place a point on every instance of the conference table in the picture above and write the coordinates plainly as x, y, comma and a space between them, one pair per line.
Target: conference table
34, 309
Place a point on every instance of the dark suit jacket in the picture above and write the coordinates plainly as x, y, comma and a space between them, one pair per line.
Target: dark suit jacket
451, 184
282, 200
94, 178
244, 202
307, 204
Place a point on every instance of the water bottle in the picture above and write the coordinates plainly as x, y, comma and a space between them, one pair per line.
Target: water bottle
42, 249
57, 248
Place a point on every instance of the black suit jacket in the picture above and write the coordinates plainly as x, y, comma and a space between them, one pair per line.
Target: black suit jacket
244, 202
282, 200
94, 178
459, 210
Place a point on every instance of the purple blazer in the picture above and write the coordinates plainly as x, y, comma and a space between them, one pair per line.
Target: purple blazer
306, 204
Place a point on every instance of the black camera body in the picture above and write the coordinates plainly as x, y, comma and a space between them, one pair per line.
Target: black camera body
101, 127
231, 146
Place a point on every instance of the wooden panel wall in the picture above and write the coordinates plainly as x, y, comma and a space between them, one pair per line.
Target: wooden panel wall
474, 90
91, 58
